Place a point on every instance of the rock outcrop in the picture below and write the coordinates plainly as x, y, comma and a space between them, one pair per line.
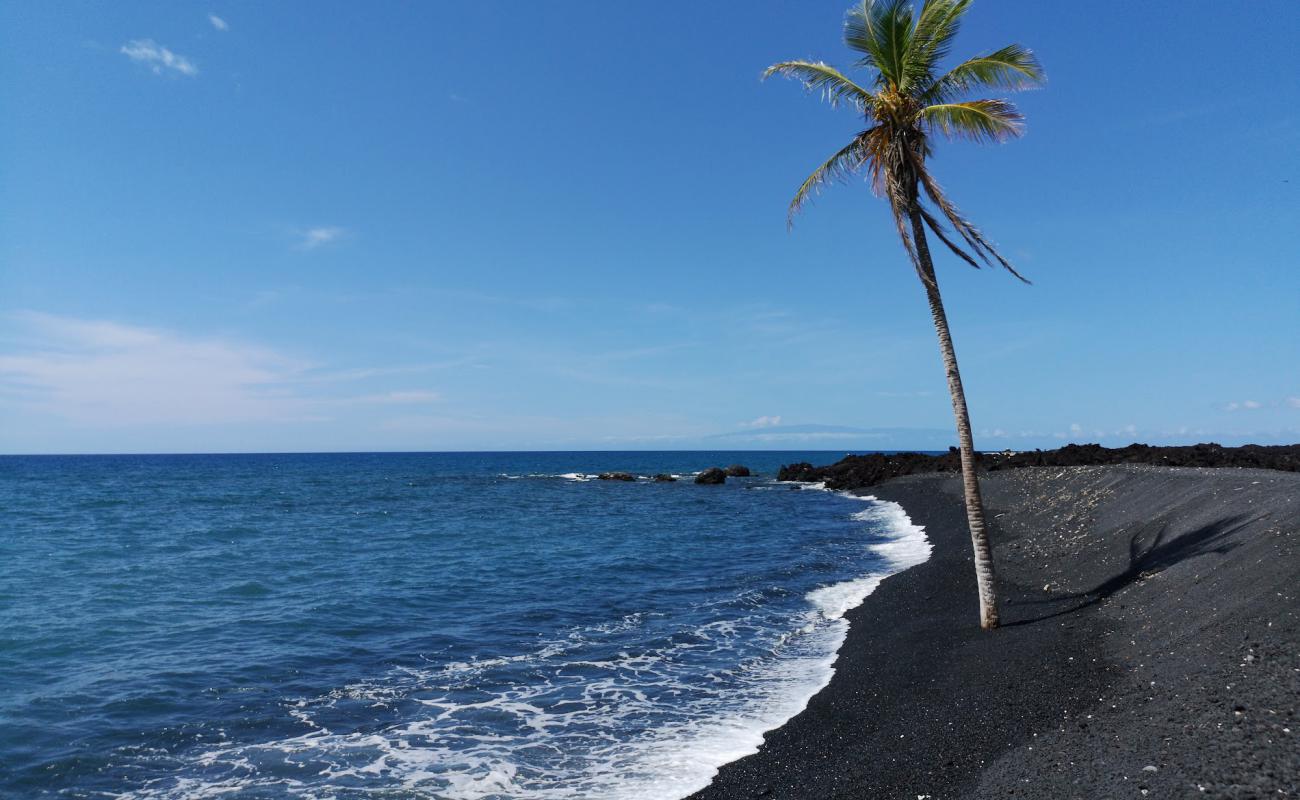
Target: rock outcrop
616, 476
856, 472
711, 477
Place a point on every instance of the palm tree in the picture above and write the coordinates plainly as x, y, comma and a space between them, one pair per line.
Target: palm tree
909, 102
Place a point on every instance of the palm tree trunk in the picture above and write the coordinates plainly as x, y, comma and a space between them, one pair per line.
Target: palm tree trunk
984, 577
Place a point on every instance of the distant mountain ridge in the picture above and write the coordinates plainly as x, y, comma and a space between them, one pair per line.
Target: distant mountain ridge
834, 431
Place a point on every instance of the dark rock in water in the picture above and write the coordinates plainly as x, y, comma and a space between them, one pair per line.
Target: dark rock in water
798, 471
856, 472
664, 478
616, 476
737, 471
711, 476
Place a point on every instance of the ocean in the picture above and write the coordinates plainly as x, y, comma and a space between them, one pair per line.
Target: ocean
441, 625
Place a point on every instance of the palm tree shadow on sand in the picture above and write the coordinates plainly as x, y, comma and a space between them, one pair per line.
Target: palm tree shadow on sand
1145, 561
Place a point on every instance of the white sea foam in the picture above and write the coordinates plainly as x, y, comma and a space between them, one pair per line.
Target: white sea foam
570, 476
583, 477
552, 740
906, 547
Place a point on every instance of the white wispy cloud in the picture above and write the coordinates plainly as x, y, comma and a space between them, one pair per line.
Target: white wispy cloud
218, 23
1244, 405
110, 374
158, 58
1294, 402
762, 422
312, 238
105, 374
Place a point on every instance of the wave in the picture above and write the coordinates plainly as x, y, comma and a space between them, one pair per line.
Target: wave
583, 477
564, 734
908, 549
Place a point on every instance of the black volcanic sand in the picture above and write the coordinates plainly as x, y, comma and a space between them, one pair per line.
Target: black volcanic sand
1149, 649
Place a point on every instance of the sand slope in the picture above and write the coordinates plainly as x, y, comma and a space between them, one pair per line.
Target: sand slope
1151, 649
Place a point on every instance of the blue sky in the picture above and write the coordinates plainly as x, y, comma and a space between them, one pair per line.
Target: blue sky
442, 226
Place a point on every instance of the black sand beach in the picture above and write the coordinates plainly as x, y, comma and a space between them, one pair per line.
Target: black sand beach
1149, 649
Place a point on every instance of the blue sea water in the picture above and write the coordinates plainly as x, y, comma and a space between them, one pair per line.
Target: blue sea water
414, 625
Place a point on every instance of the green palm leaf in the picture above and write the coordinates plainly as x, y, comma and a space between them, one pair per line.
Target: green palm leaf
882, 31
817, 76
977, 120
841, 166
936, 27
1013, 67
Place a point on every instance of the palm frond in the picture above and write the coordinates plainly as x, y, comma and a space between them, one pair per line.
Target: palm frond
851, 158
977, 120
936, 27
968, 232
860, 34
936, 228
891, 158
900, 223
1013, 67
817, 76
881, 30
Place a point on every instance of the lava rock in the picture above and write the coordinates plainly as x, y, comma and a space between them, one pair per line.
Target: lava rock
616, 476
856, 472
799, 471
663, 477
711, 477
737, 471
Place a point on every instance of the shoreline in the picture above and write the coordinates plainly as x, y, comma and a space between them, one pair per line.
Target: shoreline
900, 545
1132, 596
